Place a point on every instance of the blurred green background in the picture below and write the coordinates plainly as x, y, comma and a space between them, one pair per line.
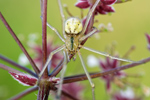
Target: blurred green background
130, 22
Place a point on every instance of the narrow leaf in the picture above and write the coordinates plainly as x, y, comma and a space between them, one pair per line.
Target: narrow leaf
24, 79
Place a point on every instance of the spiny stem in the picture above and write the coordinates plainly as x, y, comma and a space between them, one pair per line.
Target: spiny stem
44, 87
22, 94
17, 65
43, 92
44, 32
19, 43
111, 71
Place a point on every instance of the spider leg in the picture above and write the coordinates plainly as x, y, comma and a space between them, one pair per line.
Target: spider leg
74, 57
61, 77
67, 10
63, 17
49, 58
88, 35
89, 16
55, 30
106, 54
67, 57
87, 74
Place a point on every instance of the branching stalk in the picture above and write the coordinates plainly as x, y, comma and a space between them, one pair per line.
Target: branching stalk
44, 31
28, 91
19, 43
100, 74
17, 65
9, 69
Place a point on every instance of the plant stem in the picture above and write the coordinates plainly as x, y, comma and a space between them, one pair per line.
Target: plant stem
41, 1
57, 69
111, 71
9, 69
44, 31
68, 95
17, 97
19, 43
44, 87
65, 94
122, 1
44, 34
43, 91
18, 66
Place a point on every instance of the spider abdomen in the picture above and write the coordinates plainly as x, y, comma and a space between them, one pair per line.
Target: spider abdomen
72, 44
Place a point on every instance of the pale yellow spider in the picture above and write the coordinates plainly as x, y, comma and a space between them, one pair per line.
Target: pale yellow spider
73, 32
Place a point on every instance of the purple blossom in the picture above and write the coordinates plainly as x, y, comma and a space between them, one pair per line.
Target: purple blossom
103, 8
38, 59
125, 95
148, 40
83, 4
73, 89
107, 65
91, 22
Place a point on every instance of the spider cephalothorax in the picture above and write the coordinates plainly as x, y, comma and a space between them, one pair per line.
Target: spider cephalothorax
73, 26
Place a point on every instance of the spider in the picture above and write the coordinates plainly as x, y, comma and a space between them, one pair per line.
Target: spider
73, 35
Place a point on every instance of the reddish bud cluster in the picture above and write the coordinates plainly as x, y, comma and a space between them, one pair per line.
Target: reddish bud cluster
103, 8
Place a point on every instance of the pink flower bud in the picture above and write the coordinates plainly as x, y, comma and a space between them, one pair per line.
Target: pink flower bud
82, 4
108, 8
108, 2
148, 39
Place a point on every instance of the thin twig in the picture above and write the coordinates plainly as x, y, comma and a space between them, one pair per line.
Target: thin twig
82, 15
128, 52
20, 95
57, 69
111, 71
67, 10
132, 48
68, 95
18, 66
9, 69
19, 43
41, 1
65, 94
122, 1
